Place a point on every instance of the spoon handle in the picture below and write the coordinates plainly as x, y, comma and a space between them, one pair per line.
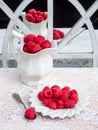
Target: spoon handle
18, 99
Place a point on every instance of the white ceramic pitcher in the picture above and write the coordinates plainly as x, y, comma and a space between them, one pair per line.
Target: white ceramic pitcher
32, 68
36, 28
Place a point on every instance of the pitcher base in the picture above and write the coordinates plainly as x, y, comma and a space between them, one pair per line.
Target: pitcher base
31, 82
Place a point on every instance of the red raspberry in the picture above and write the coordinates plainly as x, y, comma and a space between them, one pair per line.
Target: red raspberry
36, 40
41, 39
39, 19
37, 48
70, 103
74, 97
29, 17
57, 93
66, 89
46, 101
55, 87
56, 35
54, 30
48, 93
60, 104
30, 45
30, 113
35, 15
46, 44
61, 34
25, 49
40, 95
34, 20
54, 99
45, 16
73, 91
52, 105
29, 37
32, 11
39, 13
26, 39
45, 88
64, 97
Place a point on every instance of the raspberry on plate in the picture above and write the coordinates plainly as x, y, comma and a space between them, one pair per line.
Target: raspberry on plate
74, 97
66, 89
52, 105
55, 87
57, 93
40, 95
60, 104
70, 103
46, 101
73, 91
55, 97
45, 88
64, 97
48, 93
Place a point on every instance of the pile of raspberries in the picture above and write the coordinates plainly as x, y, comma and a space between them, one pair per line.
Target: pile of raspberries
56, 98
34, 44
35, 16
57, 34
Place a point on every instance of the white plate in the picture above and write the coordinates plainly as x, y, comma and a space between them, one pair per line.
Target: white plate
60, 113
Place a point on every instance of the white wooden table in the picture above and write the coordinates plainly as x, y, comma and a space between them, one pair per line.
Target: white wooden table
12, 113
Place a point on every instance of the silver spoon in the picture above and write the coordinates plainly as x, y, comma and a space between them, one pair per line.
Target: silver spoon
28, 116
18, 99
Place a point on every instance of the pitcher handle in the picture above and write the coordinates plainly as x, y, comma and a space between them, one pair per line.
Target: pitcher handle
16, 53
22, 15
